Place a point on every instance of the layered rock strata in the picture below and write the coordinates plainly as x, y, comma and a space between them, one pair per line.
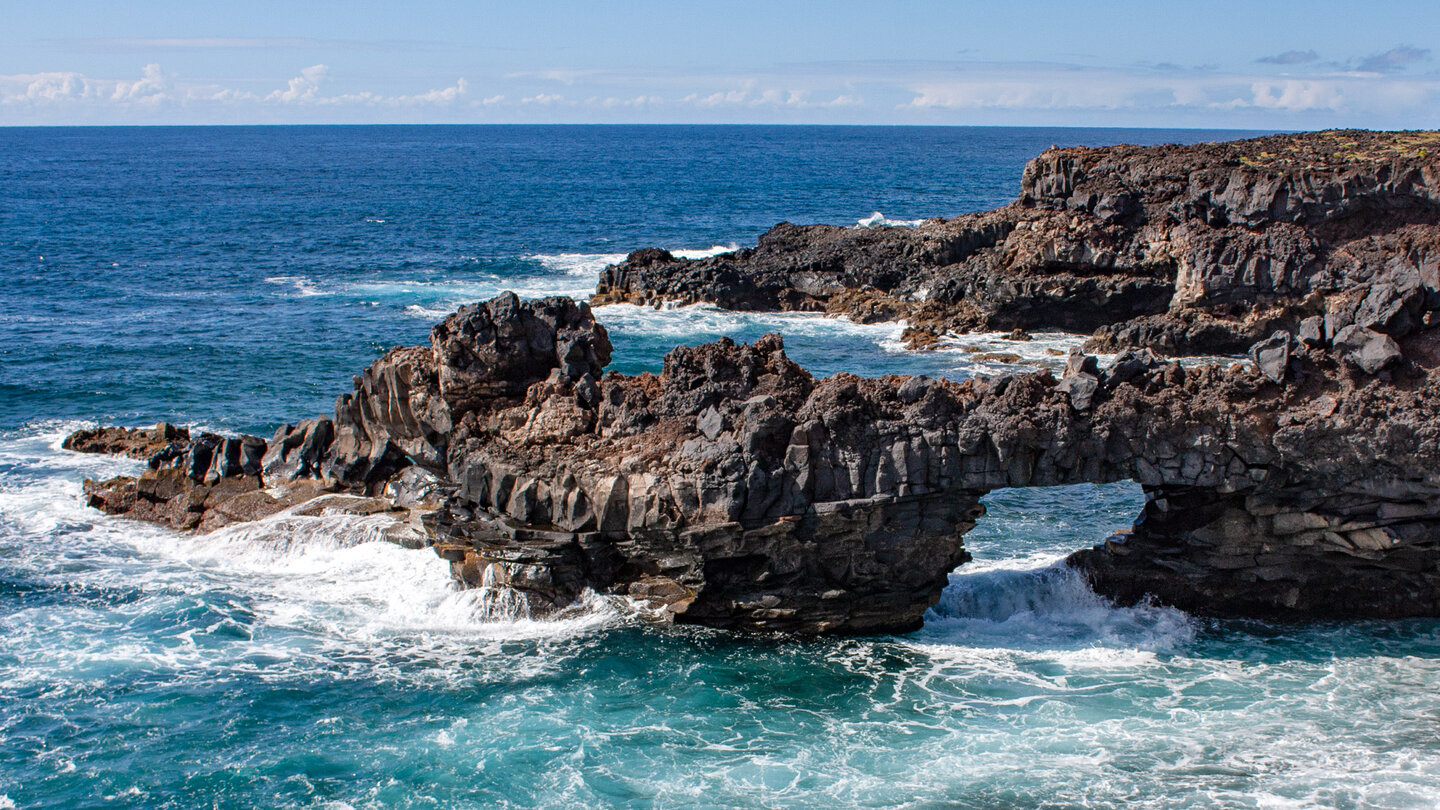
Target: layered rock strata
1185, 250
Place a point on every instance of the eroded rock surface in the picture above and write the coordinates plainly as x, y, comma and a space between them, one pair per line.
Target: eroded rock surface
1186, 250
734, 489
389, 437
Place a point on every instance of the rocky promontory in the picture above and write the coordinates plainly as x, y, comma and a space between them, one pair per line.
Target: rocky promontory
1184, 250
734, 489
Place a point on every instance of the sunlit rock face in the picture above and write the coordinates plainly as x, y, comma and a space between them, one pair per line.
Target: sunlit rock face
1201, 249
736, 490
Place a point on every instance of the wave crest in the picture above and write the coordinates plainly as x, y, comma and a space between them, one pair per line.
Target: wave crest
879, 220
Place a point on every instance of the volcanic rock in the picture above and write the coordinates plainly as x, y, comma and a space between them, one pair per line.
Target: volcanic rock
1202, 249
734, 489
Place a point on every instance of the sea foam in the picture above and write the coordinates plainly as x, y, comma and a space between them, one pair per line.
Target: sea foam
879, 220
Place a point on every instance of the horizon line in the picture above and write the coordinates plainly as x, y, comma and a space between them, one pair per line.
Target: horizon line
616, 124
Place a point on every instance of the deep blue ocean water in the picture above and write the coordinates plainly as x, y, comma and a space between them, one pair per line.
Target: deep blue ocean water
235, 278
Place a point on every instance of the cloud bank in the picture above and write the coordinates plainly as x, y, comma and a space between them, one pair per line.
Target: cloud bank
1291, 89
158, 97
1290, 58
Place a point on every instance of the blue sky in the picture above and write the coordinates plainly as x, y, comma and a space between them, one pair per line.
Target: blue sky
1262, 65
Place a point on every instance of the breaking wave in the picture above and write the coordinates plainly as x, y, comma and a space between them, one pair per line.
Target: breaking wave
879, 220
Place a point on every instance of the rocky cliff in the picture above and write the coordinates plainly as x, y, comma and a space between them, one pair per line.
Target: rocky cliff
1181, 249
736, 490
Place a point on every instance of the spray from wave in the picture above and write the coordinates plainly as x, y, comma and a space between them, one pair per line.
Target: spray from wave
303, 286
879, 220
1037, 602
331, 576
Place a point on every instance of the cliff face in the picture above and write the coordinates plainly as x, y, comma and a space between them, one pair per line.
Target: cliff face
1183, 249
734, 489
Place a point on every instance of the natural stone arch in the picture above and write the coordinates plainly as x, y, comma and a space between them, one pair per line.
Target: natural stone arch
736, 490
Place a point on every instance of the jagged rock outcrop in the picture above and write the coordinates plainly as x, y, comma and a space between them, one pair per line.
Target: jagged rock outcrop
734, 489
1345, 521
782, 502
202, 481
400, 416
1186, 250
408, 403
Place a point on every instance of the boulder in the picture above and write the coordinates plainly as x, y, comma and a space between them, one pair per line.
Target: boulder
1272, 356
1366, 348
501, 347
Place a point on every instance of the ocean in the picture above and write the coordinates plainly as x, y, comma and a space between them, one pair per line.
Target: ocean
236, 278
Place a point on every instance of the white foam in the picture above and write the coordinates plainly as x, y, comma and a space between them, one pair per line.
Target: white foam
1037, 601
306, 583
436, 299
588, 265
686, 323
995, 353
428, 313
304, 287
879, 220
705, 253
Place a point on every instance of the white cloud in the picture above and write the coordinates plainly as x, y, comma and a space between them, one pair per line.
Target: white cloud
611, 102
303, 87
445, 95
152, 88
61, 97
44, 87
773, 97
839, 92
1067, 89
1297, 94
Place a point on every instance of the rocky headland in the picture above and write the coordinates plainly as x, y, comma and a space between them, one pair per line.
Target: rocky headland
735, 490
1184, 250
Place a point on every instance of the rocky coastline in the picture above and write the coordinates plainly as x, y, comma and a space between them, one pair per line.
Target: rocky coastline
735, 490
1185, 250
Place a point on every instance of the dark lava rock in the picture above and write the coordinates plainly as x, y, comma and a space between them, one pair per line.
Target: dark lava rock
735, 490
1272, 356
1195, 249
1366, 348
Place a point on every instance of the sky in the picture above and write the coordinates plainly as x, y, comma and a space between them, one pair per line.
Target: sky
1244, 65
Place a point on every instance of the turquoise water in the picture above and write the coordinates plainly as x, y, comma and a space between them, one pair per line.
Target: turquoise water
232, 278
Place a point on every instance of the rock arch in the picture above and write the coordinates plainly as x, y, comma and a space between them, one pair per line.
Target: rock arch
734, 489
